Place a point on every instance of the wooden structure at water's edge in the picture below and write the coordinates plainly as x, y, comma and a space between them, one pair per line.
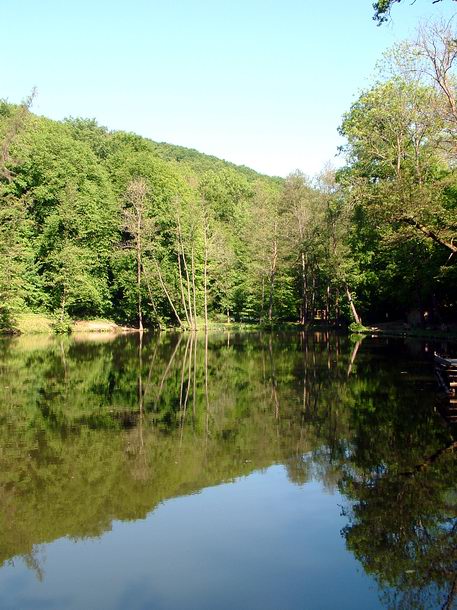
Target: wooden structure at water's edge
446, 373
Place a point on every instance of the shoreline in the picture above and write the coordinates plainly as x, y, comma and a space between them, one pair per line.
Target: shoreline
39, 324
415, 333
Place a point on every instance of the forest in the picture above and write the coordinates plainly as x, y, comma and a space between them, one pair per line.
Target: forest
100, 223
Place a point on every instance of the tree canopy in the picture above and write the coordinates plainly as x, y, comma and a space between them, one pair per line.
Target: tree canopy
382, 9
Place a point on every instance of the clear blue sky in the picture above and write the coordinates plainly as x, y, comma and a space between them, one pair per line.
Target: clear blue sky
258, 82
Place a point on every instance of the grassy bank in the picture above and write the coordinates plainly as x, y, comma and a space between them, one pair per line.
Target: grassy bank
41, 324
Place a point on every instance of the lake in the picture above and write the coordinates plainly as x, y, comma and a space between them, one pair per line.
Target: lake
248, 471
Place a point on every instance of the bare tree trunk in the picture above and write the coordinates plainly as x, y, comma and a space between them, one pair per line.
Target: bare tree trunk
181, 286
274, 258
136, 225
429, 233
186, 270
167, 294
189, 300
304, 289
438, 44
193, 288
205, 275
353, 309
138, 266
313, 297
337, 306
327, 313
151, 298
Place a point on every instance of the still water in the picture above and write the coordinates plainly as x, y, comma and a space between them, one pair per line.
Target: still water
234, 471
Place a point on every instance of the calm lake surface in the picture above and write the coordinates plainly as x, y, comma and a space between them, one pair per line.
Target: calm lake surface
238, 471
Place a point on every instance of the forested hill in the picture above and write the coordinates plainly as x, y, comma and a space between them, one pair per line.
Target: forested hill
85, 130
100, 223
201, 162
73, 219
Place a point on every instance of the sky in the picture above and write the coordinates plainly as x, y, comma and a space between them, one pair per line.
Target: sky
263, 83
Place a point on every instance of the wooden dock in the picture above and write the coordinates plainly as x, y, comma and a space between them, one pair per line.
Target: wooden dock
446, 373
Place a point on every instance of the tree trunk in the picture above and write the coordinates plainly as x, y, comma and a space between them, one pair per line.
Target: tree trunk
274, 258
183, 254
353, 309
313, 297
327, 311
189, 300
193, 289
151, 298
205, 276
337, 306
304, 290
181, 286
262, 304
167, 294
138, 265
429, 233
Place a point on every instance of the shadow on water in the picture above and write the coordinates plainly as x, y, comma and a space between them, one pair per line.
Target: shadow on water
93, 431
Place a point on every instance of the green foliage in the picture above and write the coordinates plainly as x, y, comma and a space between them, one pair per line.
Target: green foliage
62, 325
382, 9
398, 185
226, 192
355, 328
69, 249
212, 240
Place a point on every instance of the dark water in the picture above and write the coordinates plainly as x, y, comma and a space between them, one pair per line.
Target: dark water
247, 471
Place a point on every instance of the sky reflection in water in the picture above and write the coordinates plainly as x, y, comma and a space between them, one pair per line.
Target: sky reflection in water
257, 471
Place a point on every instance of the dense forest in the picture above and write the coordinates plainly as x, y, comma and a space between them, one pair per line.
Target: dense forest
99, 223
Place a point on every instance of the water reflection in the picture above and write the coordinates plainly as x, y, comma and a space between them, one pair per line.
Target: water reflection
96, 431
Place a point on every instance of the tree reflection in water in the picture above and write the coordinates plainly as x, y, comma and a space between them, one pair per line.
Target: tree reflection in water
94, 430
